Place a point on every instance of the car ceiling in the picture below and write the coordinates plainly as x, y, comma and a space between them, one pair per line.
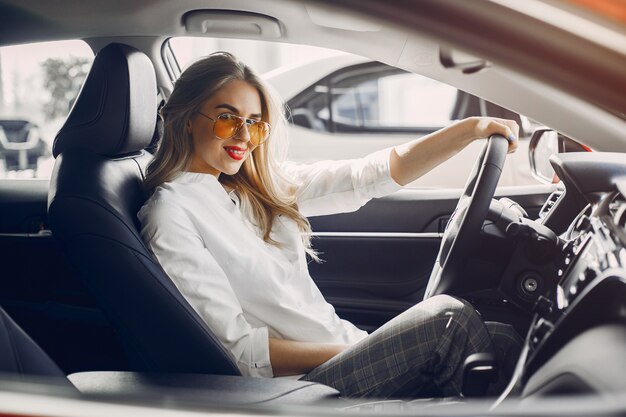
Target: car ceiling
318, 23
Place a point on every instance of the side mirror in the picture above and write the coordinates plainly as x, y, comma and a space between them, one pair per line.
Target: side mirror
543, 144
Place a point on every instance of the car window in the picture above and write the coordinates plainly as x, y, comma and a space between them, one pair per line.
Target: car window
375, 98
342, 106
38, 85
392, 100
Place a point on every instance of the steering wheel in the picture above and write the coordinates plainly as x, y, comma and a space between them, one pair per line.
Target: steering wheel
465, 224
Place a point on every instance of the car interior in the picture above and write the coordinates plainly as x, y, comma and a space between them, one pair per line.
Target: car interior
84, 303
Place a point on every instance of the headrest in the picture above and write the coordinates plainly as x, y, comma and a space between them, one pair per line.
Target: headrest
115, 112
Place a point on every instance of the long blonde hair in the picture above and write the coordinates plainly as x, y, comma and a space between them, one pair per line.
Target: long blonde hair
261, 186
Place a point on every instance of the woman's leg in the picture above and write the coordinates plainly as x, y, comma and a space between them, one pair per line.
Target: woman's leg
421, 351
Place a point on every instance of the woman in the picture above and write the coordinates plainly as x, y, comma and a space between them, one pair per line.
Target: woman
228, 225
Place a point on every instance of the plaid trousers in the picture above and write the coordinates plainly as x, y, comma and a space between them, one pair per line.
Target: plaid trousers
419, 353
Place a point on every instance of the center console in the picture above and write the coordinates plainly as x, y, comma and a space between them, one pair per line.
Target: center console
577, 339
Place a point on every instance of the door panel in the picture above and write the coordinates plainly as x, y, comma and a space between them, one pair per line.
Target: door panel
371, 278
377, 260
23, 205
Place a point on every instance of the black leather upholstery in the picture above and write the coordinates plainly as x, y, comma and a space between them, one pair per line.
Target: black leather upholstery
95, 193
19, 355
114, 113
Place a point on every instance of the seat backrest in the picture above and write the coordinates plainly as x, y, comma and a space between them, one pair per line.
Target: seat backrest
95, 192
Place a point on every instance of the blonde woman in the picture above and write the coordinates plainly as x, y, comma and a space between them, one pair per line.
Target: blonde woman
228, 223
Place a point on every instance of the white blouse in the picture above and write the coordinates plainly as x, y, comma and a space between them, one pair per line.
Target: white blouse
245, 289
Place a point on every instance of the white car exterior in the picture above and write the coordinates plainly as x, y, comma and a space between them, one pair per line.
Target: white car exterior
311, 144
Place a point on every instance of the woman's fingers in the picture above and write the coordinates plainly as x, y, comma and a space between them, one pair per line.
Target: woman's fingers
488, 126
514, 136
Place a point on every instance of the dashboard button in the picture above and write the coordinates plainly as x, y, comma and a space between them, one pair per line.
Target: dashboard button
587, 275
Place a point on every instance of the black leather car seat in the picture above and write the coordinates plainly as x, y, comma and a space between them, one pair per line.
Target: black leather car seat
95, 193
21, 356
23, 361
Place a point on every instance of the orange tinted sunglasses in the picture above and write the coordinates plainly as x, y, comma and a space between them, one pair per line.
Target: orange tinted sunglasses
227, 125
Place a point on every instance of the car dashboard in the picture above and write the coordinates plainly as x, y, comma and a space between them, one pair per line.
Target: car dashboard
577, 339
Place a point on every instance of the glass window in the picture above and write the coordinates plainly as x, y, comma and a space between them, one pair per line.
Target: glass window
343, 106
38, 85
381, 101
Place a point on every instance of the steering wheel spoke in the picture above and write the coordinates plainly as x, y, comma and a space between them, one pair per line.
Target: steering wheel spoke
465, 224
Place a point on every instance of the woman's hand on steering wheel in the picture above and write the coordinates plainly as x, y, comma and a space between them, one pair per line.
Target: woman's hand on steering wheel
484, 127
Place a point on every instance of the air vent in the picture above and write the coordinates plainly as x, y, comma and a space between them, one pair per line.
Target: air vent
619, 214
550, 202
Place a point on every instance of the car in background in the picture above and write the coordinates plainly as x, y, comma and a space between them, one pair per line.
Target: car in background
21, 145
347, 106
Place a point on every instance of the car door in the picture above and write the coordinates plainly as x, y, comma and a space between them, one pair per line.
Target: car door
377, 261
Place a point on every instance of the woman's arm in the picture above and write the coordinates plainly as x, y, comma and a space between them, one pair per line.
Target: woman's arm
289, 357
411, 160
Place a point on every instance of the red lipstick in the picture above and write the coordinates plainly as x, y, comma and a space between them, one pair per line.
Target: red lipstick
235, 152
